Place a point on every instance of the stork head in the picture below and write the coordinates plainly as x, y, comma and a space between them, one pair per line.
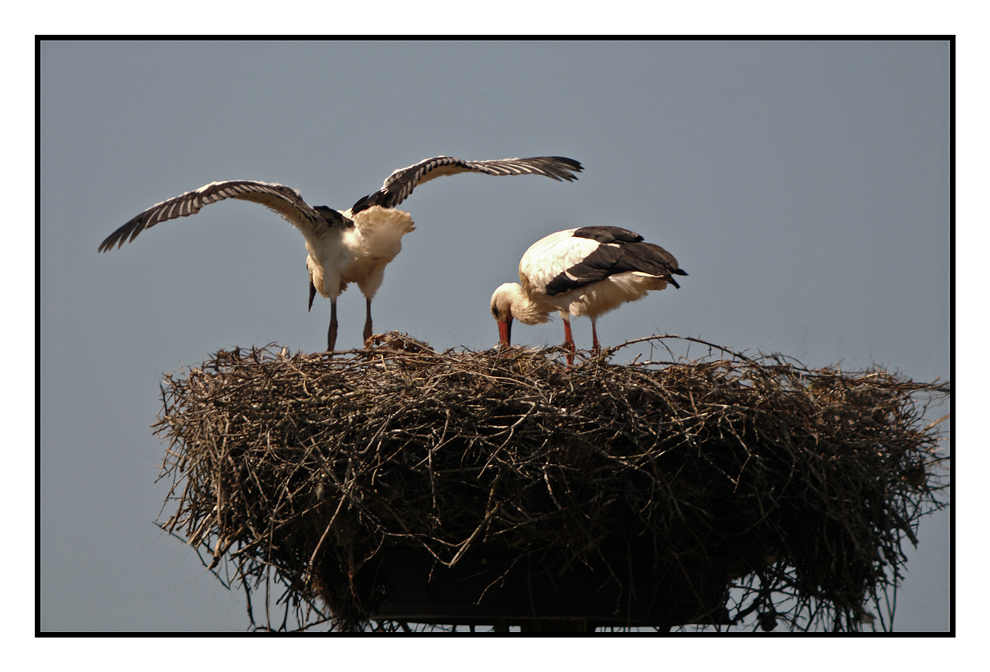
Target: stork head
511, 302
501, 307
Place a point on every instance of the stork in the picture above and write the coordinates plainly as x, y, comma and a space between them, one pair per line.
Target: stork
585, 271
347, 246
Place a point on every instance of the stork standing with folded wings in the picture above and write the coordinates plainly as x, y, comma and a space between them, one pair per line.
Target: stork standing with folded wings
586, 271
343, 247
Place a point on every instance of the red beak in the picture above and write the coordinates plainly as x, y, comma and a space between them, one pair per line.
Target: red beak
504, 329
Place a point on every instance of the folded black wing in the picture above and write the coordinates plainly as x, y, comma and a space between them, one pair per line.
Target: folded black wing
619, 251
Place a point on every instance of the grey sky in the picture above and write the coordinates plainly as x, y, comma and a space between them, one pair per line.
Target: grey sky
803, 185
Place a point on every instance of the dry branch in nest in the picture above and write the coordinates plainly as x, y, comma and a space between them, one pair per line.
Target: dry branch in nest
795, 487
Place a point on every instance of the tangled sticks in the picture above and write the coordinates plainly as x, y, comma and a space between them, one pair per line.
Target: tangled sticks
795, 488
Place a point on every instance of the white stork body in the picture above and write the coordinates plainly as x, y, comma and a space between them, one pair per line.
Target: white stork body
586, 271
353, 246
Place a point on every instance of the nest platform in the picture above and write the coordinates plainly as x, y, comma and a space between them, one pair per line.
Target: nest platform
397, 485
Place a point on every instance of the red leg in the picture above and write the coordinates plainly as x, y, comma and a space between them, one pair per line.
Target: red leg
569, 339
332, 331
367, 324
594, 336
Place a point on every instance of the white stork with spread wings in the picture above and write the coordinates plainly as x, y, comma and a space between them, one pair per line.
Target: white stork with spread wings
585, 271
344, 247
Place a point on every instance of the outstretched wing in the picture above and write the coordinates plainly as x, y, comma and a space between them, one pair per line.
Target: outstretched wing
401, 183
286, 201
617, 251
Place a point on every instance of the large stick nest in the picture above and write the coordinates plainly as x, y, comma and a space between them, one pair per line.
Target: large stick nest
295, 472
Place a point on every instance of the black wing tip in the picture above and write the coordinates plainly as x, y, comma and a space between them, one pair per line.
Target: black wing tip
560, 167
676, 271
570, 163
110, 241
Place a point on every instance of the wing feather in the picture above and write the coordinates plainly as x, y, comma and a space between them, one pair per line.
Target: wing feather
401, 182
284, 200
612, 258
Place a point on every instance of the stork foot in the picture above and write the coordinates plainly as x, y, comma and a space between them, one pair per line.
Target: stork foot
569, 347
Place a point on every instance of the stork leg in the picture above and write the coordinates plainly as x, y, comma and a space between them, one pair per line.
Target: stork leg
568, 338
594, 336
332, 331
367, 324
